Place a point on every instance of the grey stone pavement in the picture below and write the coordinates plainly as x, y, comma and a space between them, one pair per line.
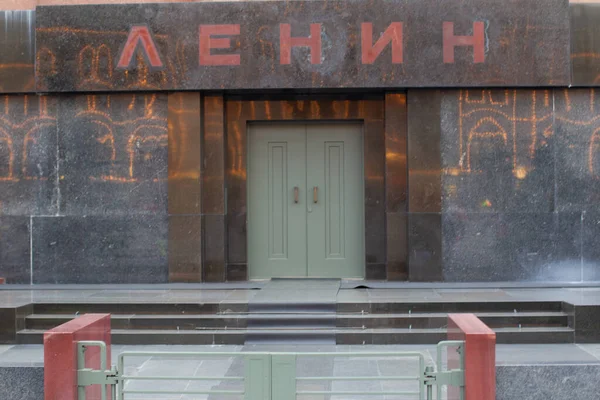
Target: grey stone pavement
213, 365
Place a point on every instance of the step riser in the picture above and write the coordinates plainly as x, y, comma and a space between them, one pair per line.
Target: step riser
441, 322
282, 308
147, 309
185, 323
372, 308
141, 338
457, 307
149, 323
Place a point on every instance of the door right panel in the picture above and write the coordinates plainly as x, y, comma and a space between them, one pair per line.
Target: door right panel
335, 201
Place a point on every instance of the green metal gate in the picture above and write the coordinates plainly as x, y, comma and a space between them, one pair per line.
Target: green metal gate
271, 375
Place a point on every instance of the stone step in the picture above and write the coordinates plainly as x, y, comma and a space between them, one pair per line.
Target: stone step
140, 308
242, 320
386, 307
379, 307
440, 320
291, 321
342, 336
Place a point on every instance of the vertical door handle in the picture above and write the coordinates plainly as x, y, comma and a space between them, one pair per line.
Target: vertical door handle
315, 194
296, 194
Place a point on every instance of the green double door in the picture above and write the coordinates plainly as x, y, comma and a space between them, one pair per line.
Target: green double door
305, 201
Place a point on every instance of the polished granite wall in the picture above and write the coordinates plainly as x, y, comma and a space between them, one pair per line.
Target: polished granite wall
83, 188
462, 185
520, 184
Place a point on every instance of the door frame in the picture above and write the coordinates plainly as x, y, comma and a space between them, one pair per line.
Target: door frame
307, 123
239, 112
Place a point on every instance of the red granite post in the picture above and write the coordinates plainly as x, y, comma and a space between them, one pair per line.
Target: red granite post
60, 355
480, 357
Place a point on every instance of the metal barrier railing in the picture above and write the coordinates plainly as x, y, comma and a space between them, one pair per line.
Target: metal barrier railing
271, 375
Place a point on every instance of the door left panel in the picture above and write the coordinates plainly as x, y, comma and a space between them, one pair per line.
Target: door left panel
276, 207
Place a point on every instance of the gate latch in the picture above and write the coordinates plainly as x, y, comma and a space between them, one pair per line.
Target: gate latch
453, 377
88, 376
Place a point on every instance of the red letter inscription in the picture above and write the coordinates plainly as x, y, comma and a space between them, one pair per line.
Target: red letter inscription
139, 34
392, 34
477, 41
286, 42
207, 43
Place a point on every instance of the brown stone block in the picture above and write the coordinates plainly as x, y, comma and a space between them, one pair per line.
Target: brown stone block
424, 156
185, 248
396, 169
184, 153
213, 180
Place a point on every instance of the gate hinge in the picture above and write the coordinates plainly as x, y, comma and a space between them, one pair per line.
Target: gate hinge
88, 376
454, 377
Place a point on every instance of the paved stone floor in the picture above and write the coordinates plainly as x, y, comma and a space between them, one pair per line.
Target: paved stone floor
576, 296
307, 366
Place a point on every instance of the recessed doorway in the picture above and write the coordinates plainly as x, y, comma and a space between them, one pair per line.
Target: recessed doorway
305, 200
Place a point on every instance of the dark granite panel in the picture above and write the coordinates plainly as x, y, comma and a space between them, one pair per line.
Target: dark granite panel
184, 153
237, 272
8, 327
525, 44
374, 159
94, 249
577, 148
587, 324
22, 382
115, 153
213, 174
498, 150
15, 257
397, 246
376, 272
590, 248
28, 155
185, 248
425, 247
396, 171
17, 51
512, 247
585, 46
214, 248
21, 314
424, 159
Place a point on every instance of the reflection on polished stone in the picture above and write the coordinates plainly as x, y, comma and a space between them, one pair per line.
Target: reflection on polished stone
498, 150
213, 171
17, 59
577, 149
184, 153
396, 173
119, 166
28, 156
424, 162
585, 48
